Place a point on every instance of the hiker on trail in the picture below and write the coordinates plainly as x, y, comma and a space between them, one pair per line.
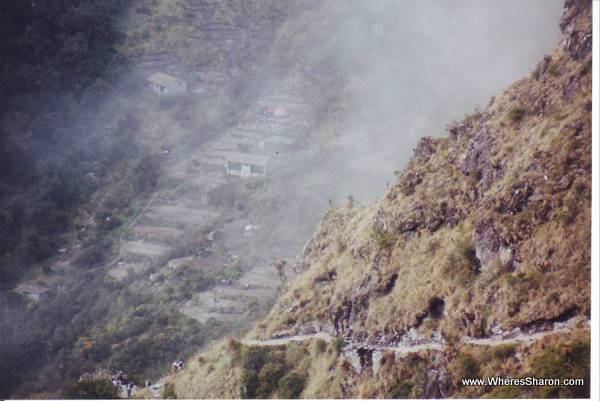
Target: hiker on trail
177, 366
118, 378
280, 265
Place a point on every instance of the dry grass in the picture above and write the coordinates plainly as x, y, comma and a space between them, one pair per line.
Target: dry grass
216, 375
424, 238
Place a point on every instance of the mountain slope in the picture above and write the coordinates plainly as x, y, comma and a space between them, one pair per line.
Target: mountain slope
483, 241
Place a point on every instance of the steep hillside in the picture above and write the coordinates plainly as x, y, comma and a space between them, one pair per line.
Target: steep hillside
482, 244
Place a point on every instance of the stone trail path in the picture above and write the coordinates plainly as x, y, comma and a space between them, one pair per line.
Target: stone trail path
286, 340
519, 337
351, 350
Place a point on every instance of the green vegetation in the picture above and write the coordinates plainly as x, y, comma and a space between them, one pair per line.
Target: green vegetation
262, 368
564, 361
93, 388
467, 367
462, 263
269, 376
558, 361
569, 210
382, 238
291, 385
229, 195
249, 383
516, 113
168, 392
401, 389
554, 68
338, 345
264, 372
254, 357
503, 351
70, 146
93, 323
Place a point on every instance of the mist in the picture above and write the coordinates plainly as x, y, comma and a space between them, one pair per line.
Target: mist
407, 69
117, 201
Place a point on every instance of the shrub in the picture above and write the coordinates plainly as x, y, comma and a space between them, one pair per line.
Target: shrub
430, 324
467, 367
569, 210
253, 357
564, 361
270, 373
231, 273
382, 238
291, 385
93, 389
227, 195
338, 345
268, 378
503, 351
466, 249
554, 68
168, 392
401, 390
92, 256
321, 346
340, 245
249, 383
462, 264
516, 113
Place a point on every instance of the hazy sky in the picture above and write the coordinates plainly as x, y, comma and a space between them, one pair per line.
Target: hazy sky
411, 67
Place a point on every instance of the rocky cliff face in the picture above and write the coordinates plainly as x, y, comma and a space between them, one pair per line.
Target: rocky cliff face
478, 250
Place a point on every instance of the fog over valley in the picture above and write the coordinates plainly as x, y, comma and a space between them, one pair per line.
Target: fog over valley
164, 164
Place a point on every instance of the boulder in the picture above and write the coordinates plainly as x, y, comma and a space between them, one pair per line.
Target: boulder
506, 257
477, 161
579, 44
487, 242
425, 147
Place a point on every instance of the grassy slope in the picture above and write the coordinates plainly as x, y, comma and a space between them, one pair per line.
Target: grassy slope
537, 142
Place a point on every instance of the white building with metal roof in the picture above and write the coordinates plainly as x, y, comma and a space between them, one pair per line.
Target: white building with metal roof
164, 84
246, 164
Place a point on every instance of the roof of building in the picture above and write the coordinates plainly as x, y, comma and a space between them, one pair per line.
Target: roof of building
246, 158
162, 79
29, 288
278, 139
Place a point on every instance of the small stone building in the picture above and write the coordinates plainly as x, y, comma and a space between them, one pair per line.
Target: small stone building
163, 84
246, 164
34, 292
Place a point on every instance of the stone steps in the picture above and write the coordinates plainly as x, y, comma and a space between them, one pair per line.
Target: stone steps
145, 249
154, 233
188, 217
121, 269
193, 311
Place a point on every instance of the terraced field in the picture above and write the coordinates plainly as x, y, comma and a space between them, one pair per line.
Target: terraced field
182, 211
